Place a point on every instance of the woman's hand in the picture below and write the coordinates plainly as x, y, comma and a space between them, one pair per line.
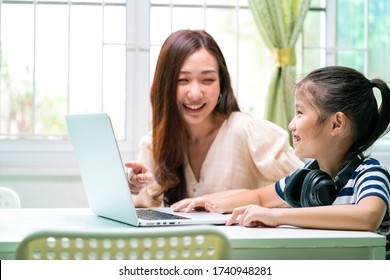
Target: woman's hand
254, 216
201, 203
138, 176
218, 202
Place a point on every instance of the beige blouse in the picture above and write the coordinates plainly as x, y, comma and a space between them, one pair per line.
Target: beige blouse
246, 153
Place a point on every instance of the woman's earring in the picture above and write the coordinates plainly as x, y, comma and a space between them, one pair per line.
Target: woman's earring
219, 98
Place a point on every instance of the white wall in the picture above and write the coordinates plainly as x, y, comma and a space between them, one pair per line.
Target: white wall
47, 191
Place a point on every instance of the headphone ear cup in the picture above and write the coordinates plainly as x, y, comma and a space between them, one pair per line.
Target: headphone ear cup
318, 189
292, 190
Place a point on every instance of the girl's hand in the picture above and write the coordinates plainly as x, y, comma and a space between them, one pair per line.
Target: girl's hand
254, 216
138, 176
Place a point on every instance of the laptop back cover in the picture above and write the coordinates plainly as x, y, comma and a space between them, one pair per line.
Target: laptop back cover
101, 167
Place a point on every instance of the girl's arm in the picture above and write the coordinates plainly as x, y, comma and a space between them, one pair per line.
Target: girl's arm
366, 215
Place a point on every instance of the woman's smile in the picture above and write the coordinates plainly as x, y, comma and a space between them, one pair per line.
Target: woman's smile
194, 108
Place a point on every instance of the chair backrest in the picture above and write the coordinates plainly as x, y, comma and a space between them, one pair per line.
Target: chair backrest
9, 198
178, 243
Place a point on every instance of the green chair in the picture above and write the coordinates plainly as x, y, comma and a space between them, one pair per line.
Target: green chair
176, 243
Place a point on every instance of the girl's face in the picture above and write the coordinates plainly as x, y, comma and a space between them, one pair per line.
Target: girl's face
198, 87
310, 138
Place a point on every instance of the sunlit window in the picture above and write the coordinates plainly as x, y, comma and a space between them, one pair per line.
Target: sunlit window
59, 58
80, 56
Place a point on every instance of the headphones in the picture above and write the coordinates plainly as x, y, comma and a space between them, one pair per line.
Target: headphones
312, 187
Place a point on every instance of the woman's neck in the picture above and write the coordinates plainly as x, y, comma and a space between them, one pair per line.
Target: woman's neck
200, 140
200, 132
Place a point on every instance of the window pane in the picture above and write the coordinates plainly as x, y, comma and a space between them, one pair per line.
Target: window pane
51, 69
160, 24
114, 68
313, 25
224, 31
187, 18
114, 25
379, 41
85, 70
114, 89
54, 65
17, 70
353, 59
311, 58
350, 22
314, 46
255, 66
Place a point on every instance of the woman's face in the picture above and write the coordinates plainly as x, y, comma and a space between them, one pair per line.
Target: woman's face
198, 87
310, 139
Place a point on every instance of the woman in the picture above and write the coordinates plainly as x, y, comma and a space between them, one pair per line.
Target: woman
200, 141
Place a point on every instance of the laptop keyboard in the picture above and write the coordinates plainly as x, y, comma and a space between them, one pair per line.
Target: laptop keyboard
149, 214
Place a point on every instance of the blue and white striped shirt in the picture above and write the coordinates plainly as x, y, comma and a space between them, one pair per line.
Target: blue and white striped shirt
369, 179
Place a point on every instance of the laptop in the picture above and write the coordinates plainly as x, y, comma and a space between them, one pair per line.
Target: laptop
105, 182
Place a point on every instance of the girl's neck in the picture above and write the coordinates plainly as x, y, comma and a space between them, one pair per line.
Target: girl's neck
332, 159
332, 165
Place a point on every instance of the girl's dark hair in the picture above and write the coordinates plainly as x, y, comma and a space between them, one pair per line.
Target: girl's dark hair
169, 132
342, 89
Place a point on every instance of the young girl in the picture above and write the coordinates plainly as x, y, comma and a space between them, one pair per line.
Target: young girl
336, 120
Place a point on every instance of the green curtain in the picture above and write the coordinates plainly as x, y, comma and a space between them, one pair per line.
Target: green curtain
279, 23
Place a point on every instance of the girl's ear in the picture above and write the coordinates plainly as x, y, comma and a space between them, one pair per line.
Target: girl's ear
339, 123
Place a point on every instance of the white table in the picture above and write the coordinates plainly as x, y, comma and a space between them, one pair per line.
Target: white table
247, 243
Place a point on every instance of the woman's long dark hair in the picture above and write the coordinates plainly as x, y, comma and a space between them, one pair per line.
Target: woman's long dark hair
169, 132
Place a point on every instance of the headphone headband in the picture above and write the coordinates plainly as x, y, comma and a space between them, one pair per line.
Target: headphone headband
346, 172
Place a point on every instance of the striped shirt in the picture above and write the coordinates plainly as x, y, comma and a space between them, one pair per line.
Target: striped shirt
369, 179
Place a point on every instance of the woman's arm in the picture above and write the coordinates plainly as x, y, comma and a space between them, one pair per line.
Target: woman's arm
198, 203
143, 186
146, 191
147, 197
227, 201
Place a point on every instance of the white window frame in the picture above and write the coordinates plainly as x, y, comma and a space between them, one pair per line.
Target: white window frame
47, 157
